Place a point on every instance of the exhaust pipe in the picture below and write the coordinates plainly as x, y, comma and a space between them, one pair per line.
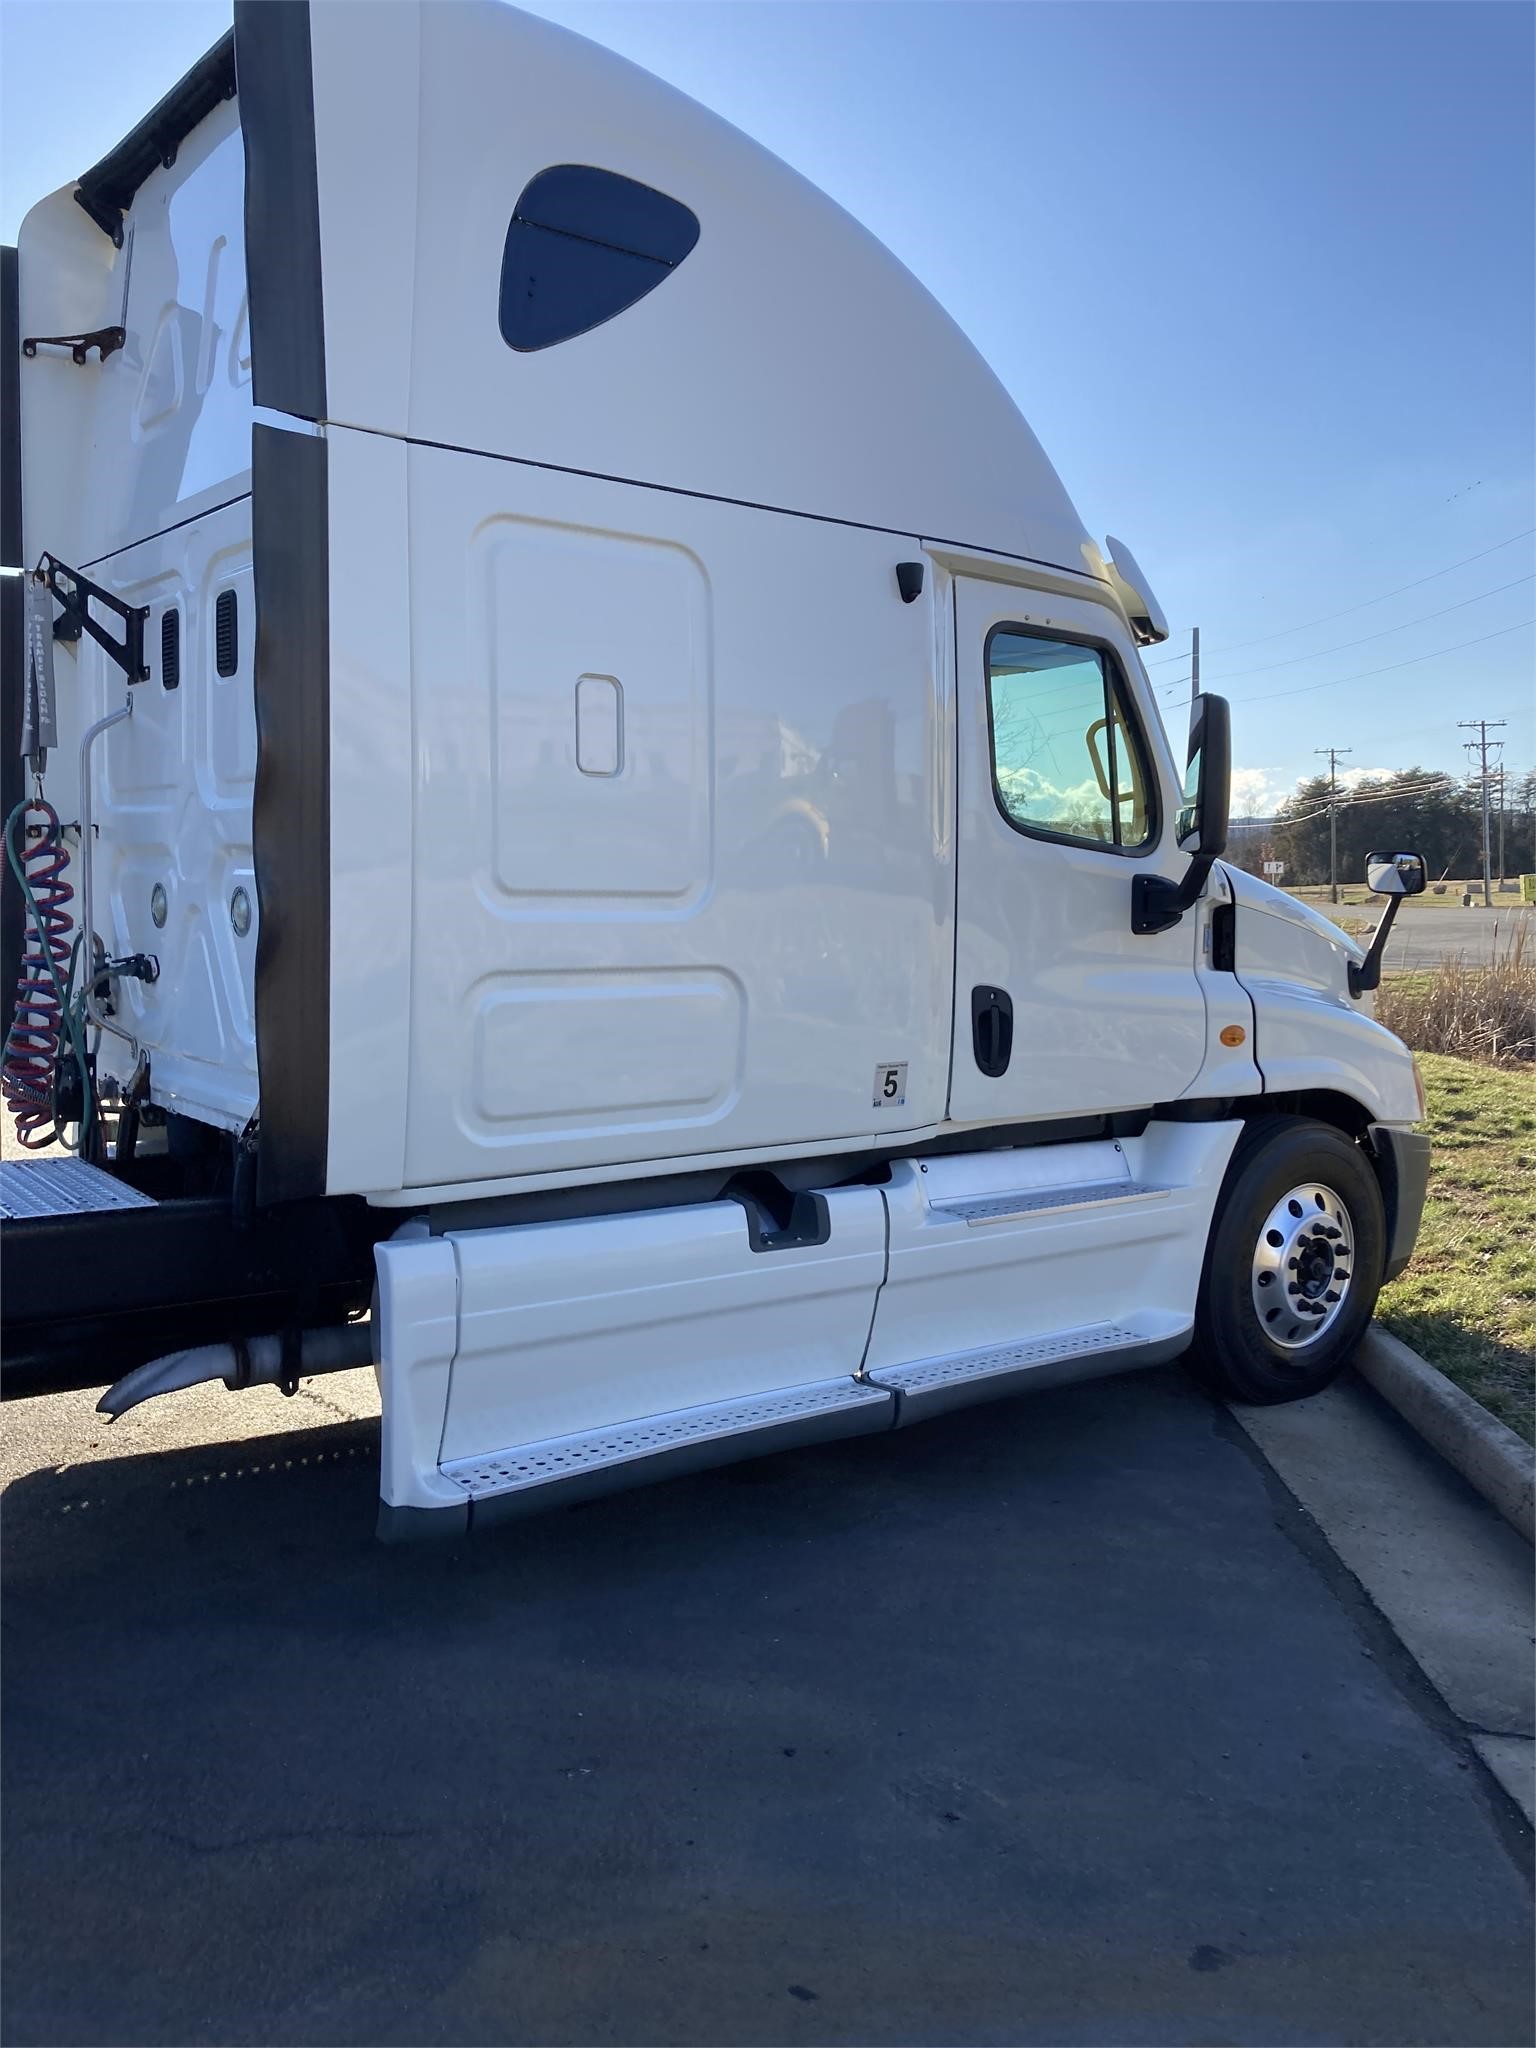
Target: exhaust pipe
277, 1361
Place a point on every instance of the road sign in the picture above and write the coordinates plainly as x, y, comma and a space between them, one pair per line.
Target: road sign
1275, 868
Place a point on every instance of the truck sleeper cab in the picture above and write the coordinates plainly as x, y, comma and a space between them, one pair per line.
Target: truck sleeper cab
625, 827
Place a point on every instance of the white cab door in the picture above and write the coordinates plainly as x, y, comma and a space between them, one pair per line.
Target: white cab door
1067, 791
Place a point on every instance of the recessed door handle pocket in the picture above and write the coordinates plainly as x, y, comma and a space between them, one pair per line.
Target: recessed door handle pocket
992, 1029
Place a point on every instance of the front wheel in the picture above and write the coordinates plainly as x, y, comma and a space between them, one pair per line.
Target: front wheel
1293, 1266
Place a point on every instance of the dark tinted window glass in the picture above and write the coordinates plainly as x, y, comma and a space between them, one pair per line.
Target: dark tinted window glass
600, 206
583, 245
170, 649
226, 633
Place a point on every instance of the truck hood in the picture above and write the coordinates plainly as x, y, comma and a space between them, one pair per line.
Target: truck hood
1250, 893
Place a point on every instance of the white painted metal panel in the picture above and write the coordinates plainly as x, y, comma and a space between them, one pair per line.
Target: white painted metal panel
371, 838
546, 597
493, 1341
715, 946
416, 1321
789, 361
1103, 1018
1310, 1040
115, 451
1227, 1069
576, 1326
952, 1288
173, 788
1309, 1032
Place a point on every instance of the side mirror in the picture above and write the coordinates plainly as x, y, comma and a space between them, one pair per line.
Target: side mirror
1396, 874
1201, 826
1393, 875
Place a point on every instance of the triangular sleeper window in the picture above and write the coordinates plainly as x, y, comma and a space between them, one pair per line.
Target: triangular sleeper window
583, 245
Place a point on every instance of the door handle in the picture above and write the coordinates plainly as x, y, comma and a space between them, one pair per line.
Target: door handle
992, 1030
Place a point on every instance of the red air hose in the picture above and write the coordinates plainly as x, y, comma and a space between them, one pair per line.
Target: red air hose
32, 1048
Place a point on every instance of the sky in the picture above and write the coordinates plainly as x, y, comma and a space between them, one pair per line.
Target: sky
1262, 278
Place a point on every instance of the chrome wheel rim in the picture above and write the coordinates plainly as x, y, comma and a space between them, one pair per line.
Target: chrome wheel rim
1303, 1266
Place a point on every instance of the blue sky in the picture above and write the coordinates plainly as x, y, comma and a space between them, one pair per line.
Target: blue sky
1260, 275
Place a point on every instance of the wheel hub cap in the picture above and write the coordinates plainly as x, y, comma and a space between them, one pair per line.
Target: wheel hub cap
1303, 1265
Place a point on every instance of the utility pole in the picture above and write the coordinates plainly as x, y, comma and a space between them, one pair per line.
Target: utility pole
1482, 727
1194, 677
1501, 825
1335, 755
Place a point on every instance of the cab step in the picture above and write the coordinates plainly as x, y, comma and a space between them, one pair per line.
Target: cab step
526, 1364
929, 1386
595, 1461
1032, 1201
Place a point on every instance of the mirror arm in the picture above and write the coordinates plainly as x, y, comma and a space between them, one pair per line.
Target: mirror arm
1157, 903
1365, 975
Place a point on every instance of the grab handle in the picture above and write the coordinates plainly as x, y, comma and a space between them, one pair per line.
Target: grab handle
87, 895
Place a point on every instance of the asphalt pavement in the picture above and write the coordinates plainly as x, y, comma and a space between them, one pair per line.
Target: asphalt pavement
1052, 1722
1424, 937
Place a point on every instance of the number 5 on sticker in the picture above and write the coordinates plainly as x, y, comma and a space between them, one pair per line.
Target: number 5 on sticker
891, 1086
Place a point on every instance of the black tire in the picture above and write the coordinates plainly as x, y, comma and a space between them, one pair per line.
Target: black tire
1233, 1354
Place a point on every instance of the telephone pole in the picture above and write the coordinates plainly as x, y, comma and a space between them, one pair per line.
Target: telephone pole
1194, 677
1335, 755
1482, 727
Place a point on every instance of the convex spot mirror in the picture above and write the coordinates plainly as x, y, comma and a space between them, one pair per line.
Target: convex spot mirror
1395, 874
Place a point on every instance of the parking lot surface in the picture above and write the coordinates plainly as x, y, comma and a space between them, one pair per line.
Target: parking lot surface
1423, 937
1054, 1722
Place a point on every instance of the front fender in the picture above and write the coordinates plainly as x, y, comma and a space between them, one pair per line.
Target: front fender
1306, 1040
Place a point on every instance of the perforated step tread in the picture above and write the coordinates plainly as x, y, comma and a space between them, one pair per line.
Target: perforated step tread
924, 1375
1031, 1201
62, 1187
562, 1457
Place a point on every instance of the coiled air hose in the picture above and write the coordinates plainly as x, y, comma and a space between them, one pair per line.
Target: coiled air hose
45, 1013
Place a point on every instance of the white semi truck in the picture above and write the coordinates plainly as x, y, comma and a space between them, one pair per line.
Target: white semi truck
593, 827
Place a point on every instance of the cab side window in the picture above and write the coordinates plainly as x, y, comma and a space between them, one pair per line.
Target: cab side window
1067, 762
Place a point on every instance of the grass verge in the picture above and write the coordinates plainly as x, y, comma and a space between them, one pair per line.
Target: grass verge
1468, 1301
1477, 1009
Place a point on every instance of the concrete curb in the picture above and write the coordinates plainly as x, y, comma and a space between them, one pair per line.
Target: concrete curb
1485, 1451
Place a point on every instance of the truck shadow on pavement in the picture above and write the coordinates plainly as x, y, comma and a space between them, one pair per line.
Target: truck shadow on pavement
1033, 1724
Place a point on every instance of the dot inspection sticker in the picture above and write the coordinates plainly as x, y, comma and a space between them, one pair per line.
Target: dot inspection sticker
891, 1086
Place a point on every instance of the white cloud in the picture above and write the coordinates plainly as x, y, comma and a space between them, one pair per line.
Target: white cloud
1256, 791
1349, 777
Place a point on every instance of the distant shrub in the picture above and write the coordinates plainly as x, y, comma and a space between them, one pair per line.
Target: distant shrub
1478, 1010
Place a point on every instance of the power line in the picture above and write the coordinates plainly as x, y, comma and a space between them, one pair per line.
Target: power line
1353, 801
1282, 821
1439, 783
1327, 619
1235, 675
1163, 660
1377, 791
1361, 676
